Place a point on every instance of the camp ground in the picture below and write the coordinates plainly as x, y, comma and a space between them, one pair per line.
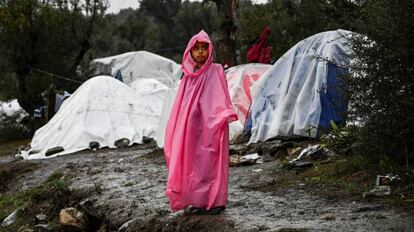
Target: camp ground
293, 97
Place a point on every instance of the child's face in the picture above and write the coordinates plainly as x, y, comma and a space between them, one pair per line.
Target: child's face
199, 52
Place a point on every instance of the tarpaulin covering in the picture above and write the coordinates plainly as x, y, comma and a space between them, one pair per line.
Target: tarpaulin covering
102, 110
196, 140
138, 65
240, 79
290, 98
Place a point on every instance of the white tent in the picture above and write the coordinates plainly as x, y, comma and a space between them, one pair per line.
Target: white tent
12, 107
139, 65
103, 110
297, 95
240, 79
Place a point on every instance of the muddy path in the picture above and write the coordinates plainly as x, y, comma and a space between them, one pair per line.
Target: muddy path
129, 184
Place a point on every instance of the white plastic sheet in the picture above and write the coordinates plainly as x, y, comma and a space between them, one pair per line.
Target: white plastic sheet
140, 65
104, 110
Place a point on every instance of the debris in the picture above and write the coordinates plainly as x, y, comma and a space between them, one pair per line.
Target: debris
54, 150
244, 160
389, 179
9, 220
249, 159
383, 185
314, 152
257, 170
383, 190
40, 218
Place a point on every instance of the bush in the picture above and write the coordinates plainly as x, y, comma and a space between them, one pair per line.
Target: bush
381, 84
11, 127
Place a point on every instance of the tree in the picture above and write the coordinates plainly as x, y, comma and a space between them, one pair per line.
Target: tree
48, 35
381, 86
226, 46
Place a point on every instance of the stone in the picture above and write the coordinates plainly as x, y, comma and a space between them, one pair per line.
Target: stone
146, 139
72, 217
54, 150
327, 217
94, 145
122, 143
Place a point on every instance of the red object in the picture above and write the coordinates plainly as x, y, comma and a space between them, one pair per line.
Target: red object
197, 135
259, 52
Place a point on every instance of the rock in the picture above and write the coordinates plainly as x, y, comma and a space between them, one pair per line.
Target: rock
54, 150
42, 228
9, 220
72, 217
146, 139
40, 218
121, 143
32, 152
94, 145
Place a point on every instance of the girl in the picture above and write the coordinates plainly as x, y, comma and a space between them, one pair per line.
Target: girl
196, 139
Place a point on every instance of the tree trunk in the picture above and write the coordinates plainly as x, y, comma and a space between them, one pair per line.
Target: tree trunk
226, 48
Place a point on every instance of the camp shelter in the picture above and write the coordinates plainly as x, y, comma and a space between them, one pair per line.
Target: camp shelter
131, 66
11, 108
301, 92
101, 110
240, 79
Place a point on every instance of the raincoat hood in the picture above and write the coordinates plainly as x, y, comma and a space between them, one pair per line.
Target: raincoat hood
188, 62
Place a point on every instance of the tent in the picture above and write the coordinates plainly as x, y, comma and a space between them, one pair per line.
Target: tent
12, 108
101, 110
240, 79
300, 93
131, 66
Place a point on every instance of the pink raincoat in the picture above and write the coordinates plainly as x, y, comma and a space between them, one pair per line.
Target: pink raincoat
197, 135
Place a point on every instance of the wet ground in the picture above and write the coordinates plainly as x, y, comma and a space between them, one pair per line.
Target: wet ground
129, 184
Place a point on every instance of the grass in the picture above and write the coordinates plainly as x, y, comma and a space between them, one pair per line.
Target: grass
55, 187
10, 147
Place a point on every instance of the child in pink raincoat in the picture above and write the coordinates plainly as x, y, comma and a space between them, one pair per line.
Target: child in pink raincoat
197, 135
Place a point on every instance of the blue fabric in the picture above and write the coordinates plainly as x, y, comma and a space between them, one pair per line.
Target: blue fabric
333, 104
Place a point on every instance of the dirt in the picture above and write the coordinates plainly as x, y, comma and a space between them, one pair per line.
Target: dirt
128, 185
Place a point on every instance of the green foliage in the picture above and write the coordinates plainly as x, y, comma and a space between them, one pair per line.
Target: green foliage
48, 35
291, 21
381, 85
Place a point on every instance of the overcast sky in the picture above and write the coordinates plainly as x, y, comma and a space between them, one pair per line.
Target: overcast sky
116, 5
